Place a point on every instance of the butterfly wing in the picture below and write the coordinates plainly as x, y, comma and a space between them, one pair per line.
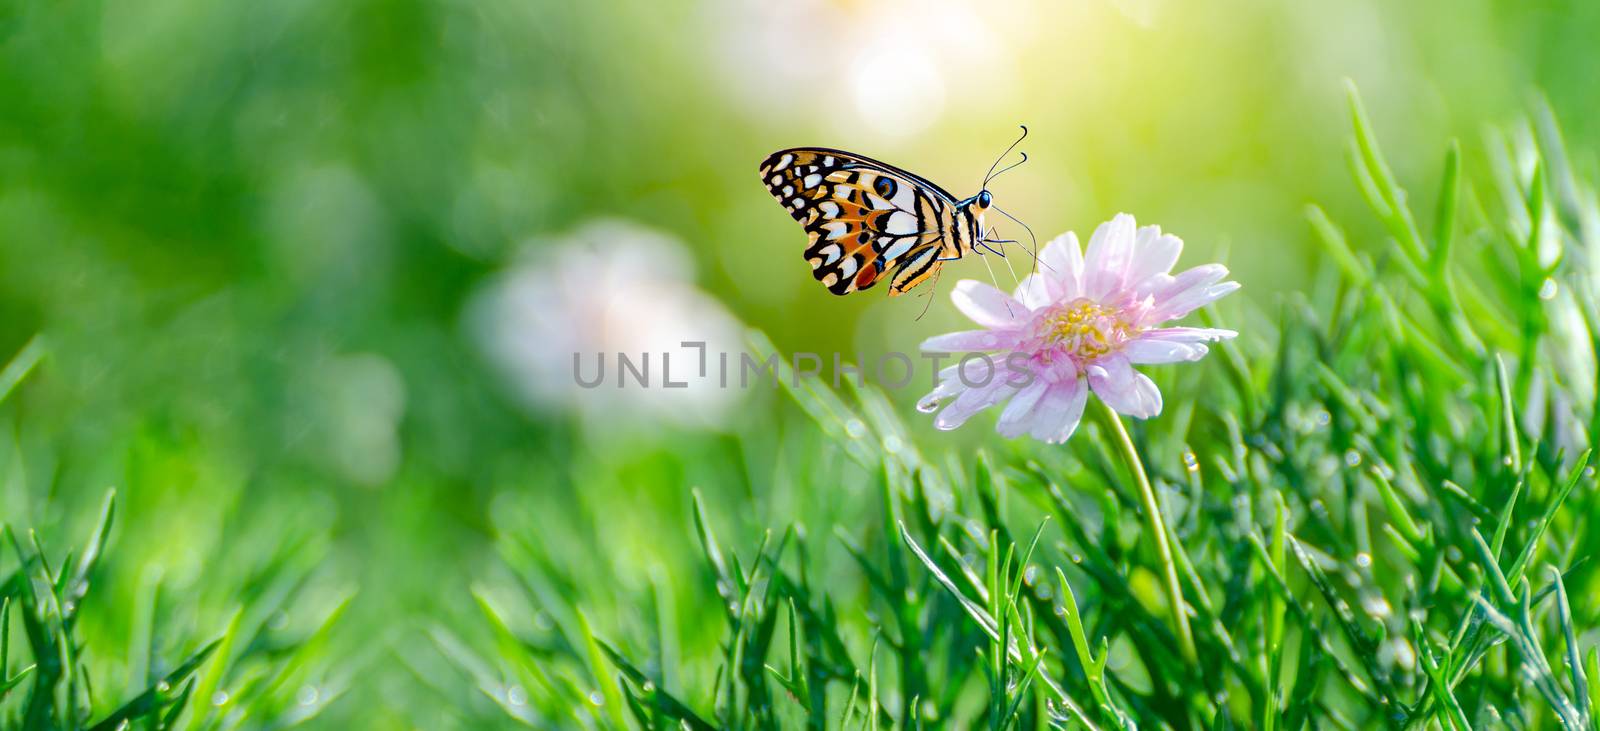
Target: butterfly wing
863, 217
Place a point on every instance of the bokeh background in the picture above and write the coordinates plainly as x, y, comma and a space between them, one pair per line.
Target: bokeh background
309, 273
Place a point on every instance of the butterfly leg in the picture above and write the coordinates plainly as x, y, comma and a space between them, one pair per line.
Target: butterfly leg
932, 290
996, 280
1034, 252
987, 243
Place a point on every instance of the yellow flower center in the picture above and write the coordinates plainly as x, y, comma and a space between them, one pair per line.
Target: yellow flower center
1085, 330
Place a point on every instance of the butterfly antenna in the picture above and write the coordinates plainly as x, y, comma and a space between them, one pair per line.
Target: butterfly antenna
1007, 168
990, 175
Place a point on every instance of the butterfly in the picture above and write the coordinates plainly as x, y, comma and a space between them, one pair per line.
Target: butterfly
867, 219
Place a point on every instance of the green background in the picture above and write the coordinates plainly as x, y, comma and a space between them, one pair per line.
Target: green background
250, 234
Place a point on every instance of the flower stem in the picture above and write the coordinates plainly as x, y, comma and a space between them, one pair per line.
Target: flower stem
1158, 530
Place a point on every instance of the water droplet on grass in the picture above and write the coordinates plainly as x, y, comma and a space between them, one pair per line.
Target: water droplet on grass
1363, 560
219, 698
1190, 462
308, 695
1547, 291
1352, 458
855, 429
516, 696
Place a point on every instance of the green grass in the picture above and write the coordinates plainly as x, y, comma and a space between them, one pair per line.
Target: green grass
1376, 506
248, 669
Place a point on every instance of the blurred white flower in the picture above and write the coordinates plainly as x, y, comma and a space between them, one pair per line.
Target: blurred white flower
611, 287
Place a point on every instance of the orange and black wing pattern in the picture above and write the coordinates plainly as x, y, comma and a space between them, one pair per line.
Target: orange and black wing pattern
863, 217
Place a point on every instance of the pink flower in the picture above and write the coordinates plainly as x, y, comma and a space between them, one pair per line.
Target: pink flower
1079, 324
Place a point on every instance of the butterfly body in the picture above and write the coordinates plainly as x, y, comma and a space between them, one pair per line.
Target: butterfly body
867, 219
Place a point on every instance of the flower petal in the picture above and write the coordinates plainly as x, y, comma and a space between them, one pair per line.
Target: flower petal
949, 385
1189, 334
970, 341
1153, 253
1020, 416
1172, 344
972, 401
1056, 371
985, 305
1122, 388
1106, 263
1038, 290
1199, 276
1189, 291
1197, 298
1150, 351
1062, 262
1058, 412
